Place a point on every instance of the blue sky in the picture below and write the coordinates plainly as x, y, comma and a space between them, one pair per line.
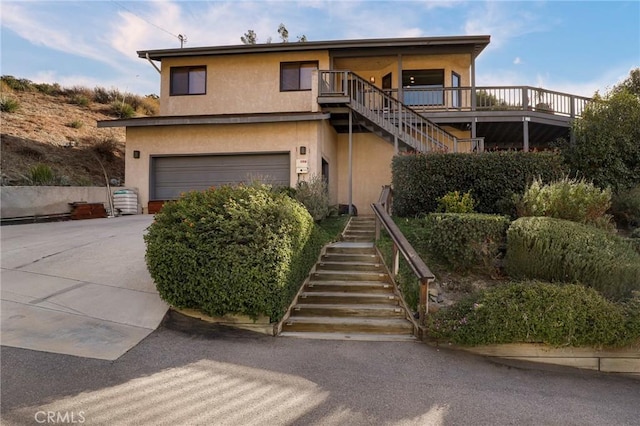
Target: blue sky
570, 46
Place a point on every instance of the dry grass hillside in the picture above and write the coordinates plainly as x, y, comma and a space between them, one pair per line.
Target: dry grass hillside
49, 134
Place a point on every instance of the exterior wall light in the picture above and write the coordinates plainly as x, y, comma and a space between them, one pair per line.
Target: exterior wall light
136, 154
303, 150
372, 79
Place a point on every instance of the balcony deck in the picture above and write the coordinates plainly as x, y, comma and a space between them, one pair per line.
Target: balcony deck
502, 114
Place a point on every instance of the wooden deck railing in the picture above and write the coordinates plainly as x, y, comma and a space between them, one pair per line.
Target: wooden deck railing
492, 98
422, 272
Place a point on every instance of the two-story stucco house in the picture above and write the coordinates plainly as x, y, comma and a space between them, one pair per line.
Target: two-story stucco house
284, 112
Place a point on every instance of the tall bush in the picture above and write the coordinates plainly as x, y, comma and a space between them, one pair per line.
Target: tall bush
492, 177
570, 199
314, 195
235, 250
564, 251
606, 148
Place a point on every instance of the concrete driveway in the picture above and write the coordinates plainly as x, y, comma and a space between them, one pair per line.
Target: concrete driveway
77, 288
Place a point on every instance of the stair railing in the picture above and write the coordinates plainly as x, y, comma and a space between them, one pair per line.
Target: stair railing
385, 111
402, 246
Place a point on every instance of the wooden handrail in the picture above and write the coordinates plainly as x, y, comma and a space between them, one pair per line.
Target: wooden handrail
402, 246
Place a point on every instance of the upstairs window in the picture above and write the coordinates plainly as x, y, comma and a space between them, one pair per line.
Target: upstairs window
296, 75
188, 81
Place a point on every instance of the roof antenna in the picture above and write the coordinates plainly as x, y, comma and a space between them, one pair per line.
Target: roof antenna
183, 40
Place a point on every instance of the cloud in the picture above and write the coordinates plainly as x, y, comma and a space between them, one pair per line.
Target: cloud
503, 21
517, 61
37, 29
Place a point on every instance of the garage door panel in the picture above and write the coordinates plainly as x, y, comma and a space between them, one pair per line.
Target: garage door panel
172, 176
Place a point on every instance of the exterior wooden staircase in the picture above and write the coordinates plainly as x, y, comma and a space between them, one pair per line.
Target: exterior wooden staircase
349, 294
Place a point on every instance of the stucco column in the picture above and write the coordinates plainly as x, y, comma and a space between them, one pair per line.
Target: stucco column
350, 162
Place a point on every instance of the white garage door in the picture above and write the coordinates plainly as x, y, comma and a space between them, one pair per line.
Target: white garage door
171, 176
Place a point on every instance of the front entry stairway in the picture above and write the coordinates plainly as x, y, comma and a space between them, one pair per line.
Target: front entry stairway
349, 294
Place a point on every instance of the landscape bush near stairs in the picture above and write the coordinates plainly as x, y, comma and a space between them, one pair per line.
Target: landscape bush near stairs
538, 312
559, 250
232, 250
463, 241
493, 178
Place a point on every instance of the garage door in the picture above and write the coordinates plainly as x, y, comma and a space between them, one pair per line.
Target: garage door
171, 176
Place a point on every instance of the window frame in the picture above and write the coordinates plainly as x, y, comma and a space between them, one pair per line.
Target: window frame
300, 65
189, 69
456, 98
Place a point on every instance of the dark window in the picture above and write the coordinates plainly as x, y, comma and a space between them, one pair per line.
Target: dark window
419, 87
296, 75
188, 80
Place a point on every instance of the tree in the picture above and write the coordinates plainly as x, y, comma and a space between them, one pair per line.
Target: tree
284, 33
249, 37
607, 138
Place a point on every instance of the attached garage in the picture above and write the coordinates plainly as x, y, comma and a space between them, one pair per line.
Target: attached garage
173, 175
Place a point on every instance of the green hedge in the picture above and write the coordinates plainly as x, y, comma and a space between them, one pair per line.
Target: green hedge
536, 312
492, 177
232, 250
563, 251
463, 241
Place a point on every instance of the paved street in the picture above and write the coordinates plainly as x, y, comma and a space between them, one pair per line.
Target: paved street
188, 373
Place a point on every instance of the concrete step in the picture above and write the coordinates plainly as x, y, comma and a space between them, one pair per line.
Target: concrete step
348, 298
350, 266
348, 325
349, 287
357, 239
328, 275
344, 310
366, 337
346, 257
351, 248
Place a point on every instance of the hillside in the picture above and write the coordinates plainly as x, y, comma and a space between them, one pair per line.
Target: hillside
57, 127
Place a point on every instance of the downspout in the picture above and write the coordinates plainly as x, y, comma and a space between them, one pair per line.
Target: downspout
154, 65
350, 163
474, 119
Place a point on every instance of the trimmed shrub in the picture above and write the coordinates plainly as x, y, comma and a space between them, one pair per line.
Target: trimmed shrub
570, 199
492, 177
463, 241
625, 208
538, 312
314, 195
453, 202
231, 250
563, 251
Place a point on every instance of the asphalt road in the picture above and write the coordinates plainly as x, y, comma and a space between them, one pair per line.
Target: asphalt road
191, 373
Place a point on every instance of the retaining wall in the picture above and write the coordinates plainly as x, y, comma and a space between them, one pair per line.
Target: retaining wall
31, 201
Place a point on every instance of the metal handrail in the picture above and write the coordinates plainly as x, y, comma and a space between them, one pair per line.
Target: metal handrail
402, 246
385, 111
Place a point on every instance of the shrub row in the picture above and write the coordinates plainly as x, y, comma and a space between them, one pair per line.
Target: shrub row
492, 177
232, 250
537, 312
463, 241
563, 251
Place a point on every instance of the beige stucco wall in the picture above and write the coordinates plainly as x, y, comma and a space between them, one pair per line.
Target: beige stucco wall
371, 169
224, 139
240, 84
